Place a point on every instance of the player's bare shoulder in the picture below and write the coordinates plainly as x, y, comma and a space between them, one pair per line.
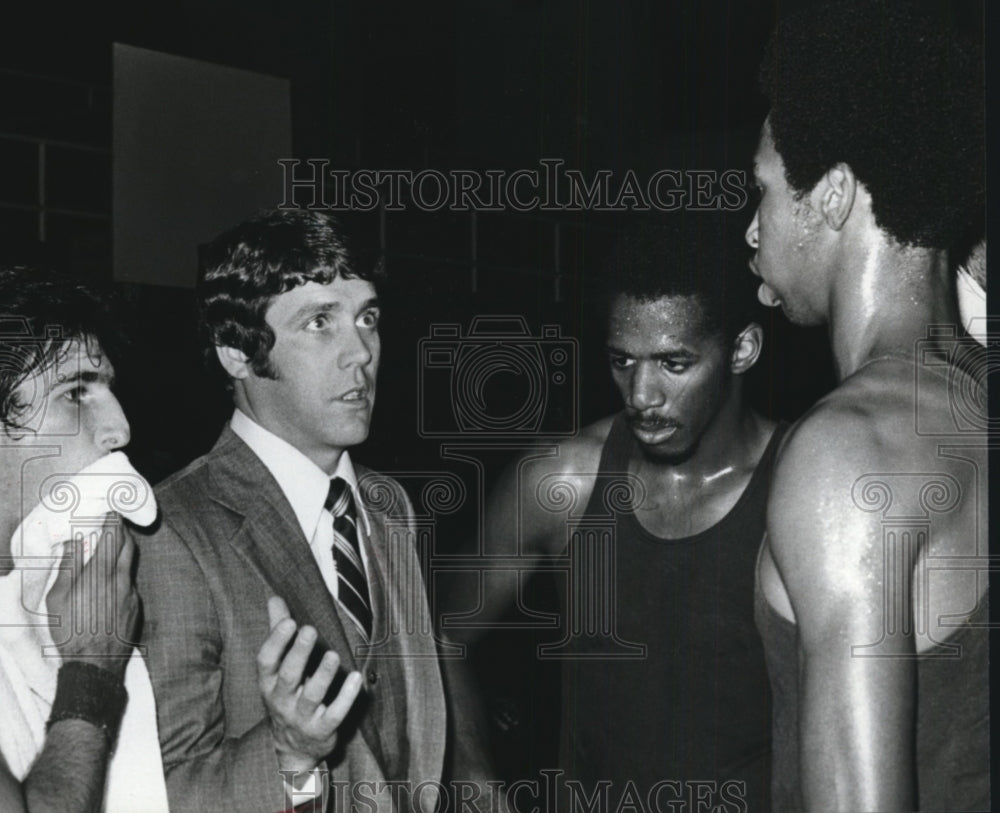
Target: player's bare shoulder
576, 458
826, 550
554, 482
925, 425
859, 458
581, 455
868, 421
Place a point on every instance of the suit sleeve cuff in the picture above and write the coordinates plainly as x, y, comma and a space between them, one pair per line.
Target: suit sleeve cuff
302, 798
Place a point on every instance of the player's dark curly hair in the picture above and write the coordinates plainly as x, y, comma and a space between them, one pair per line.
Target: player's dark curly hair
243, 269
41, 314
892, 94
700, 254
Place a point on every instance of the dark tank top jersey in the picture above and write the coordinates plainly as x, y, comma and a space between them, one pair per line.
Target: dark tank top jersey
953, 714
688, 716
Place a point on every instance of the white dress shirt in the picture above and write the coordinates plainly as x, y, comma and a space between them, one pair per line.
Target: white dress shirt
305, 486
972, 306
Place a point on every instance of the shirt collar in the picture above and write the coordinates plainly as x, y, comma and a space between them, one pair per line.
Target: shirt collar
304, 484
972, 305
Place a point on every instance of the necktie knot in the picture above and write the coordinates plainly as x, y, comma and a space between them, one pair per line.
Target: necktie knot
338, 498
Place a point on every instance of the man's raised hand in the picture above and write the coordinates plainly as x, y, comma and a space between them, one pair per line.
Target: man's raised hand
304, 729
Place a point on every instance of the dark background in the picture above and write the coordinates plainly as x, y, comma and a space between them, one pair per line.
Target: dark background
459, 84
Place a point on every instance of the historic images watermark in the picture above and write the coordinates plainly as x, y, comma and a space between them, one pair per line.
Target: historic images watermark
551, 792
550, 187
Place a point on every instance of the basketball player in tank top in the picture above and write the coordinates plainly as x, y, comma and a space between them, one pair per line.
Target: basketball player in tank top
873, 578
683, 717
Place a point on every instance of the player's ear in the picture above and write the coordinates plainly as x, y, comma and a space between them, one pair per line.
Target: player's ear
746, 348
837, 192
233, 361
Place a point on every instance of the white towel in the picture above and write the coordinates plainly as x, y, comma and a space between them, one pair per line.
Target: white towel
73, 506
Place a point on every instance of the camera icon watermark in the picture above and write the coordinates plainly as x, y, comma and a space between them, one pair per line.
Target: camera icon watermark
947, 358
497, 381
23, 367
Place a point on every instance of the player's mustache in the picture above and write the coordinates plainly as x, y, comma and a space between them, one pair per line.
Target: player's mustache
650, 422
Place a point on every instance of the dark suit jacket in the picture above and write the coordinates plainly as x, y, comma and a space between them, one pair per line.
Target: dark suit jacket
226, 541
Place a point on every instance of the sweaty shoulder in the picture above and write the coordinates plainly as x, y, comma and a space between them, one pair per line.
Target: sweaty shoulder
863, 426
824, 547
572, 462
582, 454
839, 470
889, 415
867, 421
549, 486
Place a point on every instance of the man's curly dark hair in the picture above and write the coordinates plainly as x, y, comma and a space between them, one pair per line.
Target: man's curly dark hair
245, 268
892, 94
41, 315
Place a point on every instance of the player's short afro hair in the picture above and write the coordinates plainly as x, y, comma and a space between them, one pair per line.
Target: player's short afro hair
893, 95
687, 253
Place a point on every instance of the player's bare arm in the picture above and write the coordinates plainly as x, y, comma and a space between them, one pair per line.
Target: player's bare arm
856, 711
517, 520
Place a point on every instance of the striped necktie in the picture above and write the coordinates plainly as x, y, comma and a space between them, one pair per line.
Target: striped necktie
352, 586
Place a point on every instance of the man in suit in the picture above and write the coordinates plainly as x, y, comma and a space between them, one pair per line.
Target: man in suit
351, 711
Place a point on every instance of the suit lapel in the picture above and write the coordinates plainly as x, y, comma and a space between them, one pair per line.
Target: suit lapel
403, 631
271, 542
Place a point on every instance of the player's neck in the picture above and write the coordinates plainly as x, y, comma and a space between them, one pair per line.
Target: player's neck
884, 298
728, 445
